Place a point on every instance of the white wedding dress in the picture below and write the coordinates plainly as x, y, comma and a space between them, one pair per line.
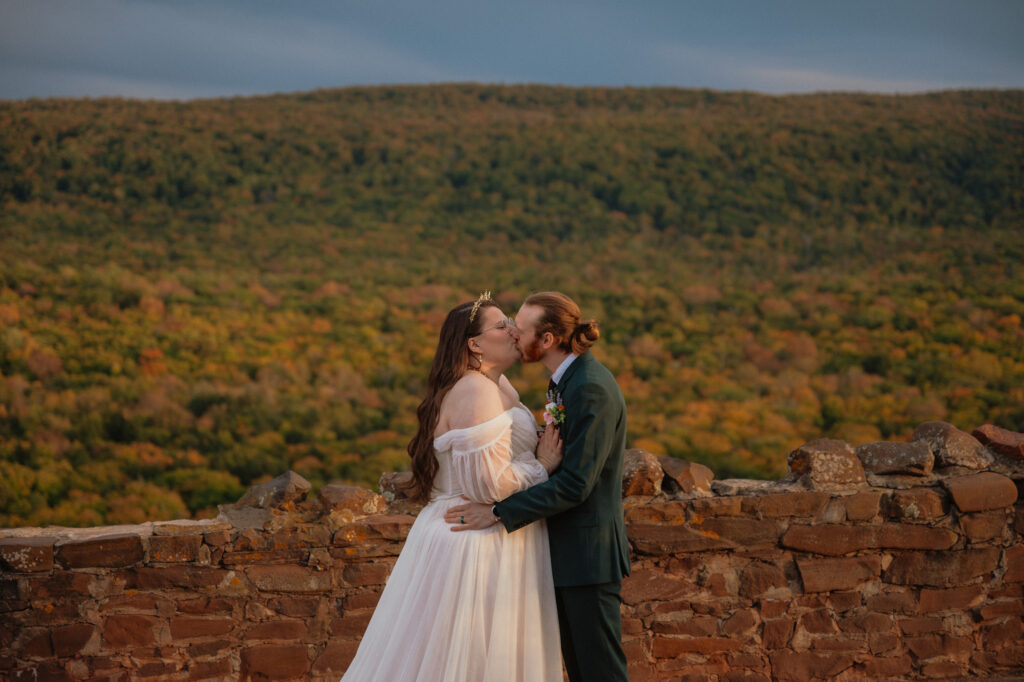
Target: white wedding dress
477, 605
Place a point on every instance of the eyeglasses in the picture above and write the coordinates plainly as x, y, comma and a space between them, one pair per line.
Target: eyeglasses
506, 325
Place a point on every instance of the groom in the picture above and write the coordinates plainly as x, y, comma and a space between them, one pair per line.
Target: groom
582, 500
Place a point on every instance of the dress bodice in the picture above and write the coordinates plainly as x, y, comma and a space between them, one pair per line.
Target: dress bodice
467, 456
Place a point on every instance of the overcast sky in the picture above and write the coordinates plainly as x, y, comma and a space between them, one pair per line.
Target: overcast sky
182, 49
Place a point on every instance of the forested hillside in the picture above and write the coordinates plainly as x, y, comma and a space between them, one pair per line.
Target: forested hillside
195, 296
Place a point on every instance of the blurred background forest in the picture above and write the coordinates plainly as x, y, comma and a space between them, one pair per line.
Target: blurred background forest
196, 296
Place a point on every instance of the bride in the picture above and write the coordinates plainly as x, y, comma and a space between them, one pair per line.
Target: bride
477, 605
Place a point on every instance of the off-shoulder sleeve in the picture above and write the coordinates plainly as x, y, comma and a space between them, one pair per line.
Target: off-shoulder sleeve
483, 462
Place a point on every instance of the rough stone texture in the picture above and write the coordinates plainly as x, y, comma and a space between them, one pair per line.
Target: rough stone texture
759, 580
1009, 443
26, 555
357, 501
978, 492
829, 575
835, 540
920, 504
286, 488
641, 473
827, 464
103, 552
952, 447
689, 477
888, 457
942, 569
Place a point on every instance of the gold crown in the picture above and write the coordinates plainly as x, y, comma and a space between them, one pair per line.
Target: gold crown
486, 296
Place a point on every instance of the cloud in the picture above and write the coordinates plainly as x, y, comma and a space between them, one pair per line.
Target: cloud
142, 49
704, 66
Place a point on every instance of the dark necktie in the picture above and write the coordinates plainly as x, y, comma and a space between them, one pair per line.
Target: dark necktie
552, 386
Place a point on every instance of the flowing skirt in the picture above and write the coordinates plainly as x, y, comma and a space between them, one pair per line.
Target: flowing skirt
472, 606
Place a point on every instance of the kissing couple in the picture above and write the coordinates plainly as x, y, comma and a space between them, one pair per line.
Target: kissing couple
521, 549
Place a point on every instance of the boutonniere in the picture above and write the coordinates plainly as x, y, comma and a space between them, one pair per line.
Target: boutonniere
554, 410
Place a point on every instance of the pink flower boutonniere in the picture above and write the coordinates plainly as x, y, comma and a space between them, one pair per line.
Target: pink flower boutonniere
554, 410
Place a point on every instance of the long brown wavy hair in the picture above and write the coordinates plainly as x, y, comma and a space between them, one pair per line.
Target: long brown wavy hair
451, 361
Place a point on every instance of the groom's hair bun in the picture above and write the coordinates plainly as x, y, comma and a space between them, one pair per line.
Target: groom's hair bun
562, 318
584, 336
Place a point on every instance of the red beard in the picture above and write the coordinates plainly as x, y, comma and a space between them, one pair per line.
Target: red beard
532, 352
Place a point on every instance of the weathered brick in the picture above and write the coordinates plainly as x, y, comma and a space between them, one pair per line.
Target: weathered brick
891, 457
952, 447
275, 661
826, 575
920, 504
827, 464
836, 540
60, 585
717, 506
277, 629
759, 577
956, 598
1001, 610
863, 506
26, 555
740, 622
804, 504
128, 631
352, 626
336, 656
387, 527
68, 640
984, 526
112, 551
941, 569
156, 669
296, 607
169, 577
188, 627
837, 643
697, 626
210, 647
206, 605
845, 600
362, 574
921, 625
818, 621
880, 643
1003, 441
357, 501
996, 635
895, 667
942, 668
641, 473
982, 491
1014, 564
802, 666
653, 539
204, 670
892, 602
136, 601
369, 597
37, 645
289, 579
645, 585
866, 622
671, 647
174, 548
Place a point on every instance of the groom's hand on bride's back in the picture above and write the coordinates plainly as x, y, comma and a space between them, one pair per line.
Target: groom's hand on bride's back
470, 516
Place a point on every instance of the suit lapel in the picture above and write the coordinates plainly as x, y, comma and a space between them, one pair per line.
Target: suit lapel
571, 370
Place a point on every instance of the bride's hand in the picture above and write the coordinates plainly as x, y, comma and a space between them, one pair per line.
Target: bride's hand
549, 449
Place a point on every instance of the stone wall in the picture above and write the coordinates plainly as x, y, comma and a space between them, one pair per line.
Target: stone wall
892, 561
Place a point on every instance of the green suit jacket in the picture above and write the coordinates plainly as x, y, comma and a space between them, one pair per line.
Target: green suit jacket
582, 500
